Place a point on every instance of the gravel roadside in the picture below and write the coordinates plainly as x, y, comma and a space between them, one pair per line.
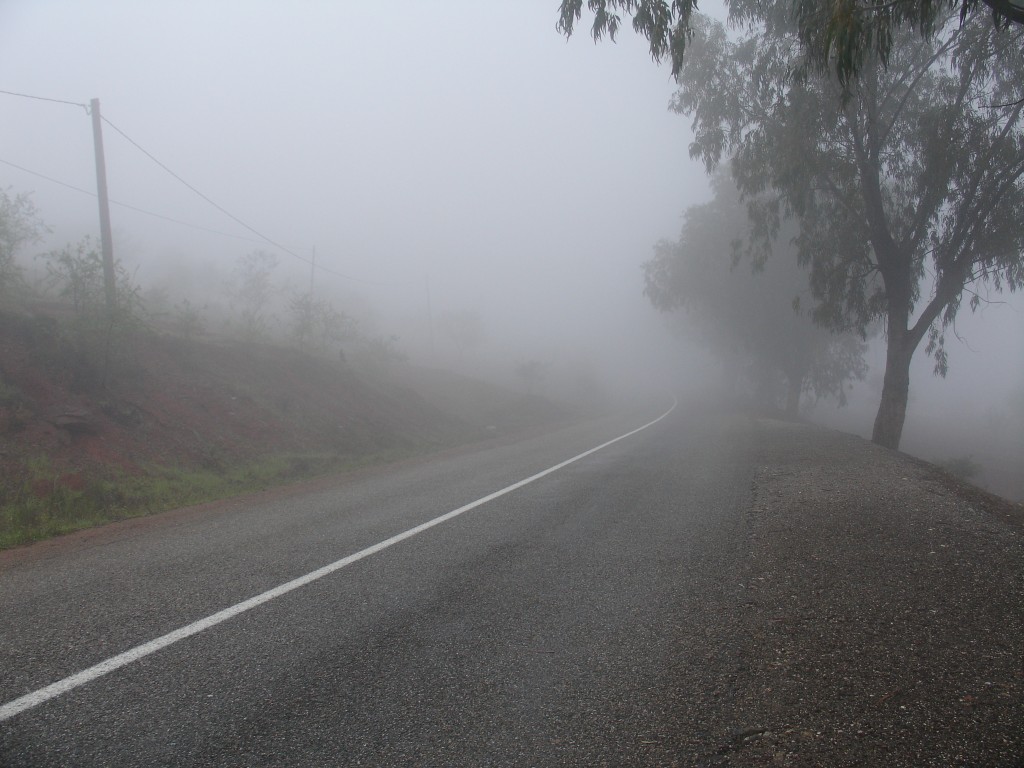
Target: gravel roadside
881, 612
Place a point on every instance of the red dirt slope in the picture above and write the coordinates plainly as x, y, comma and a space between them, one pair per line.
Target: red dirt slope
174, 402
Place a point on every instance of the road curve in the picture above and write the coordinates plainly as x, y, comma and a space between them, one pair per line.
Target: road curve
547, 626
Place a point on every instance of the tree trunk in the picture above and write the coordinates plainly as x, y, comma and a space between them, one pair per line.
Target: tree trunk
892, 411
794, 387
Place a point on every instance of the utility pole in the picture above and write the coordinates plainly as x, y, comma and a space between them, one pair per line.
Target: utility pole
312, 274
430, 314
106, 240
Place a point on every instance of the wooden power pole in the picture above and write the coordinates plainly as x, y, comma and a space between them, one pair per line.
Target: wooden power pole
430, 314
312, 275
106, 240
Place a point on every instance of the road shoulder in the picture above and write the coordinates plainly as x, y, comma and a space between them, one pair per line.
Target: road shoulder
882, 611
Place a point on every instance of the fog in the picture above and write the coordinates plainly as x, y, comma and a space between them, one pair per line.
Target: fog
433, 159
469, 157
975, 413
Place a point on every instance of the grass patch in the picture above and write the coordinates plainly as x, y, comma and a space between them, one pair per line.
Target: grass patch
46, 502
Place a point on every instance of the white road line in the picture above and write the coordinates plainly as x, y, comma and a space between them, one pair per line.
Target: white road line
60, 687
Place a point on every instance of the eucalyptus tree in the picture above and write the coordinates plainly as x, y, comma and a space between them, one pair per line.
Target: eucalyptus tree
749, 317
907, 187
836, 34
906, 181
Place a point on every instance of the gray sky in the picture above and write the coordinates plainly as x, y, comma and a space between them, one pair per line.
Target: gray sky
464, 140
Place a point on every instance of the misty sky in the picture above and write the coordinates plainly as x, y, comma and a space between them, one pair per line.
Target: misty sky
466, 141
528, 176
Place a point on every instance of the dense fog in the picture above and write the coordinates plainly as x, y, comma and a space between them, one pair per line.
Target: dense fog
471, 189
471, 157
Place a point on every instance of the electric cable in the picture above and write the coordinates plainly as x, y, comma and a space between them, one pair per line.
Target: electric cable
44, 98
234, 218
128, 206
262, 237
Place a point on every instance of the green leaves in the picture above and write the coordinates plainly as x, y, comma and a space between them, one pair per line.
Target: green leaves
911, 173
837, 36
665, 25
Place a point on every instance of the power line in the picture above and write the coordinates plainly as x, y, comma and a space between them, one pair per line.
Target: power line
234, 218
263, 238
200, 194
44, 98
173, 220
48, 178
127, 205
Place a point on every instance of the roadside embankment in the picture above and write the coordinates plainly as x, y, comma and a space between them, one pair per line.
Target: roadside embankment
174, 421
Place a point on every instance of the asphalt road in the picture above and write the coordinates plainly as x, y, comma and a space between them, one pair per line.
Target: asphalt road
559, 624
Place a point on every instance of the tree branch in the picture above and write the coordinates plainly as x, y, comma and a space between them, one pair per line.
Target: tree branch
943, 50
1007, 10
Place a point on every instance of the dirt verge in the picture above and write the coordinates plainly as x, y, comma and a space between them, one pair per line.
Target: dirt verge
882, 612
